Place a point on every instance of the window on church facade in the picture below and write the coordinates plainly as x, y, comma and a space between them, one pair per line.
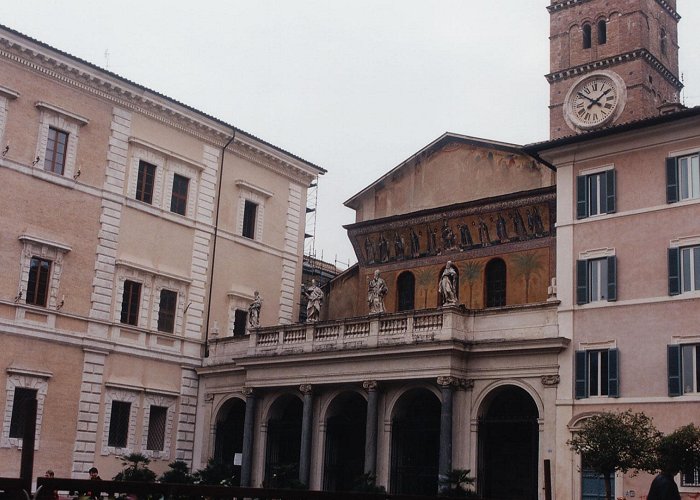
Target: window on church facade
495, 283
240, 320
38, 282
406, 288
19, 410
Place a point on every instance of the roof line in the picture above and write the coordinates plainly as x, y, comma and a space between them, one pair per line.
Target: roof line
156, 93
514, 148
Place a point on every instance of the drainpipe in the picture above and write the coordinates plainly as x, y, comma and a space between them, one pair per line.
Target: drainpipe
213, 248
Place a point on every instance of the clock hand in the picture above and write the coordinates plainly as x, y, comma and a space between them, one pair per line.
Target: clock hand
597, 100
584, 96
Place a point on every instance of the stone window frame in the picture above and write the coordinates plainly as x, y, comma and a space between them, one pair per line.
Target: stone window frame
126, 395
29, 379
152, 282
6, 95
51, 116
254, 194
33, 246
167, 165
237, 300
168, 401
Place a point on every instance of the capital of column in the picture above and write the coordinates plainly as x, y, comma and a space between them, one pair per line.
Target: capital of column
305, 389
447, 382
248, 391
370, 385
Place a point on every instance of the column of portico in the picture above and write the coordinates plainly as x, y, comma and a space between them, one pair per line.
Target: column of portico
371, 427
248, 432
306, 429
447, 385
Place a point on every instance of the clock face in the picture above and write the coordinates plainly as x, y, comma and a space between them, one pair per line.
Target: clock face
593, 102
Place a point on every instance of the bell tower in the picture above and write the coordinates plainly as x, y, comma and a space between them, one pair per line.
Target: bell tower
611, 62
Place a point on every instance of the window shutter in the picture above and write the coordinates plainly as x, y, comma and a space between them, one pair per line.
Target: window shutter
581, 197
613, 373
674, 271
612, 279
671, 180
580, 370
674, 370
581, 282
610, 189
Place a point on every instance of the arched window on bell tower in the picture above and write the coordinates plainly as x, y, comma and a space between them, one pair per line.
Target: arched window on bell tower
406, 291
602, 32
586, 36
662, 41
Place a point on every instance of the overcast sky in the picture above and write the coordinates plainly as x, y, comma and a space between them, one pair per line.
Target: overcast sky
354, 86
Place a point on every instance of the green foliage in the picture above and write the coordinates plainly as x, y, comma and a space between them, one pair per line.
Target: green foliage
367, 483
680, 450
617, 441
215, 473
458, 482
179, 473
285, 476
136, 469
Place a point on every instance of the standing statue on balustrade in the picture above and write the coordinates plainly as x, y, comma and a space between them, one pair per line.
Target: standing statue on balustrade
448, 285
254, 311
314, 297
376, 291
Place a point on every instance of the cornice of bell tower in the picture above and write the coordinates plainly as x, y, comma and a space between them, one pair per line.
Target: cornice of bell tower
558, 5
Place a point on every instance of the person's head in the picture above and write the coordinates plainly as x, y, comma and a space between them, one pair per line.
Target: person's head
449, 264
49, 473
93, 472
376, 273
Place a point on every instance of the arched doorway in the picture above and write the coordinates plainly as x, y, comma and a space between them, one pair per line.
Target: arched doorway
229, 435
495, 283
345, 442
415, 443
406, 290
283, 443
508, 441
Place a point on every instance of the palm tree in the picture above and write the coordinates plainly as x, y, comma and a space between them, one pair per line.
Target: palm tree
470, 271
424, 277
527, 265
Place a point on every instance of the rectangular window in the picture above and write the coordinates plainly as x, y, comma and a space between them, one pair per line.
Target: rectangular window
597, 373
240, 321
157, 419
145, 182
596, 280
166, 311
19, 410
178, 201
119, 424
249, 213
38, 282
595, 194
56, 147
130, 303
683, 373
691, 477
683, 270
683, 178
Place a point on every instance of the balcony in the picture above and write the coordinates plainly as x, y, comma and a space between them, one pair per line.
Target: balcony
504, 328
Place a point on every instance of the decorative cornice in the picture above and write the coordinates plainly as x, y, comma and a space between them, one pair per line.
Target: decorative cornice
166, 153
614, 61
566, 4
252, 187
61, 247
80, 120
8, 93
